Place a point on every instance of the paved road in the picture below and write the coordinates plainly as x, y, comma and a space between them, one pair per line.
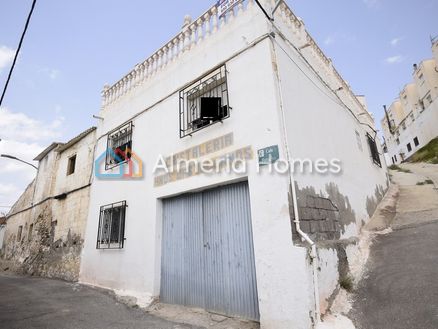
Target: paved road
33, 303
400, 290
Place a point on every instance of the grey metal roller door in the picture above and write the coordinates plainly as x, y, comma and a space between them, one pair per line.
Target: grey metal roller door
207, 252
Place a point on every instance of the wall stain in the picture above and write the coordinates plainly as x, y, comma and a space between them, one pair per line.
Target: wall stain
324, 215
41, 255
373, 201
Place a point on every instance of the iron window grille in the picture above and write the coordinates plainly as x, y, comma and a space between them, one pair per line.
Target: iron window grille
111, 232
204, 102
119, 146
374, 150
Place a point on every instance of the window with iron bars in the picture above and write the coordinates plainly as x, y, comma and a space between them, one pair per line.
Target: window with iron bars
374, 150
120, 142
111, 233
204, 102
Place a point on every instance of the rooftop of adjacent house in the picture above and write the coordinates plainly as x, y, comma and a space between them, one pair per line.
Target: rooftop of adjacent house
75, 140
46, 151
61, 147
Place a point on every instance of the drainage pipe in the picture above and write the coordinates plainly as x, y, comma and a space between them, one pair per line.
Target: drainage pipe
303, 235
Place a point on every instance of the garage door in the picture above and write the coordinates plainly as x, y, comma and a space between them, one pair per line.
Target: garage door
207, 252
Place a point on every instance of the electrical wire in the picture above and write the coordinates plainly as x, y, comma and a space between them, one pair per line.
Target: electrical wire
340, 102
17, 52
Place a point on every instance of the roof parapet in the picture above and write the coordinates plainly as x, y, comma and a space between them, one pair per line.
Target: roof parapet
194, 32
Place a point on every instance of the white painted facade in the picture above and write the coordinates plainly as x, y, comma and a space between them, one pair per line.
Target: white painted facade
414, 115
278, 97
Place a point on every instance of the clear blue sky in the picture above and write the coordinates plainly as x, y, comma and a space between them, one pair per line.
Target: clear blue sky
74, 47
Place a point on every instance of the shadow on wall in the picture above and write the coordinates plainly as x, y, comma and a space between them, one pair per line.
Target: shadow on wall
373, 201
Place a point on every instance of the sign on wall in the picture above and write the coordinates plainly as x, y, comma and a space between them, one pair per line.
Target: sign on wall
268, 155
224, 6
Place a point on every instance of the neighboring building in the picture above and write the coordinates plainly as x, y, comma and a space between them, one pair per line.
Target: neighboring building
2, 230
232, 87
413, 117
45, 227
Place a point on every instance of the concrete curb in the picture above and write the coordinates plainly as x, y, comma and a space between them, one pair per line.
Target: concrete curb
385, 212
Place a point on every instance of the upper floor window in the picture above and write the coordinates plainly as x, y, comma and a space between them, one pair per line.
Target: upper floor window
111, 232
119, 146
71, 165
416, 142
374, 150
204, 102
409, 147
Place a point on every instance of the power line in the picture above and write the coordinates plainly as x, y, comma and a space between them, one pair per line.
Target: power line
18, 50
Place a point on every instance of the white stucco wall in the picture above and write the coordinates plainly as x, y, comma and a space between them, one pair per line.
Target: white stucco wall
425, 128
318, 126
282, 271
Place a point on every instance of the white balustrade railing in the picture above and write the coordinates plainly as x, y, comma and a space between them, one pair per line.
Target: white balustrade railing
194, 33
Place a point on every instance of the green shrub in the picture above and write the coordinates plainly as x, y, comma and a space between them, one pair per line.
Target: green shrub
428, 153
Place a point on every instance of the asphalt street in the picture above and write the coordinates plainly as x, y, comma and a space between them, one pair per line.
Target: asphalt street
33, 303
400, 288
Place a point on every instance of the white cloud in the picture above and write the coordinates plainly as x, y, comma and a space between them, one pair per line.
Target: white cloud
329, 40
339, 37
9, 193
23, 137
372, 3
394, 59
6, 56
395, 42
52, 74
21, 127
21, 150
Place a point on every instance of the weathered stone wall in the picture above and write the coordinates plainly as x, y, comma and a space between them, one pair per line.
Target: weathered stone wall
52, 228
37, 252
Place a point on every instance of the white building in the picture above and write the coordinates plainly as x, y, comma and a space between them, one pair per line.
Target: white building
413, 116
235, 87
